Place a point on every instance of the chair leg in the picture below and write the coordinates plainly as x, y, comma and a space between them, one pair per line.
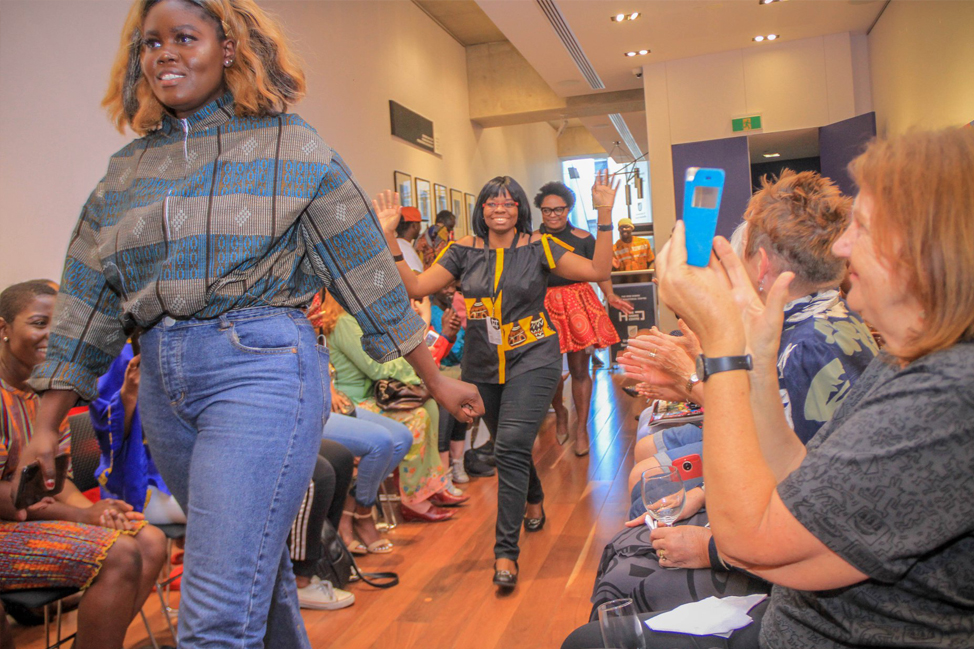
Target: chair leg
152, 637
47, 626
59, 623
387, 507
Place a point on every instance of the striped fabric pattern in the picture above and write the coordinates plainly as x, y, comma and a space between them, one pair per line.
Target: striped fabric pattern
218, 212
18, 409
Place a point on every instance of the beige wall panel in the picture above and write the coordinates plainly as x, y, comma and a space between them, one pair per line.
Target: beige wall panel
704, 94
920, 57
55, 140
786, 83
839, 77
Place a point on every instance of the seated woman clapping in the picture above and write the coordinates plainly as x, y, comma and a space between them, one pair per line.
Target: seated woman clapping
105, 549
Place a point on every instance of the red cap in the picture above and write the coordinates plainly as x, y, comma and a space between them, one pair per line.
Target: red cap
411, 214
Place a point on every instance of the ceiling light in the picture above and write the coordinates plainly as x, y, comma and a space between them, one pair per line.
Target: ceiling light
772, 37
769, 37
643, 52
772, 155
767, 2
630, 54
758, 39
618, 18
640, 53
634, 15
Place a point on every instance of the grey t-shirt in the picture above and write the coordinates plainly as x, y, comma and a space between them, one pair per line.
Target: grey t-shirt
888, 484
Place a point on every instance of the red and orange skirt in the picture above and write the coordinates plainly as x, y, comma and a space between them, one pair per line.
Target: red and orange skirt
579, 318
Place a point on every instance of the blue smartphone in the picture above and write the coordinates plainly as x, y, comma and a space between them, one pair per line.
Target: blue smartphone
701, 204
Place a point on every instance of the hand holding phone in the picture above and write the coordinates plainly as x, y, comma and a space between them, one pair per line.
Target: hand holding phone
31, 489
701, 205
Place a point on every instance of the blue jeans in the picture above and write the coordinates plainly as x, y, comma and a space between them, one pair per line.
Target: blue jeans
233, 409
380, 443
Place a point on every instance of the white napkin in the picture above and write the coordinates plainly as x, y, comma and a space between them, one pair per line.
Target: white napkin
711, 616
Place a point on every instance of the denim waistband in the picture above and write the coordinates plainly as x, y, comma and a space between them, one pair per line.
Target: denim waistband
235, 315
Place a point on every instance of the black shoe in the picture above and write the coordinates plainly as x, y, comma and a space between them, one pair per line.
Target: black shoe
485, 453
475, 467
505, 579
535, 524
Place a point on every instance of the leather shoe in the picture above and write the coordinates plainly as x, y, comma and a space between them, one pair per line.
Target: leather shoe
476, 467
535, 524
444, 499
431, 515
505, 579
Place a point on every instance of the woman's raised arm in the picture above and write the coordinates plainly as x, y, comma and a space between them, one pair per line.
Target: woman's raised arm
578, 268
387, 206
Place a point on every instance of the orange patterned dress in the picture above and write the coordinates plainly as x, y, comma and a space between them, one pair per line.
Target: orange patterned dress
43, 554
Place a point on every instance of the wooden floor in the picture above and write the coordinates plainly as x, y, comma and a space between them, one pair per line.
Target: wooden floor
445, 598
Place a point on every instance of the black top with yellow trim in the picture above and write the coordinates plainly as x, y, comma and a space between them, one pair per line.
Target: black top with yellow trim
508, 285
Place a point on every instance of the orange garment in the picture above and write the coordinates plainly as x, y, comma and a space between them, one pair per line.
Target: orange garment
635, 255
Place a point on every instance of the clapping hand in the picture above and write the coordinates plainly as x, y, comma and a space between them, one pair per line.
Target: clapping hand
450, 324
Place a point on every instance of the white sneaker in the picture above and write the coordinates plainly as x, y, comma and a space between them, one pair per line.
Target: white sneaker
320, 595
459, 473
452, 488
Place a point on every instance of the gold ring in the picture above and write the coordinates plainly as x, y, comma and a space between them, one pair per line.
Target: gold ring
661, 554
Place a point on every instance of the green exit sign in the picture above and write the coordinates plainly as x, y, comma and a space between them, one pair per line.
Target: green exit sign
752, 123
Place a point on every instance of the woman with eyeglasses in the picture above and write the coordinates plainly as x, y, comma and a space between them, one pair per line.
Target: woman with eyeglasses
512, 353
575, 310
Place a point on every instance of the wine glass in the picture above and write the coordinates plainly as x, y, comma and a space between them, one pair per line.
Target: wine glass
663, 494
621, 628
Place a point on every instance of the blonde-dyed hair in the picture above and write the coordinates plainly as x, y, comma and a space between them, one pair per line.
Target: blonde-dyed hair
922, 185
329, 314
797, 217
264, 78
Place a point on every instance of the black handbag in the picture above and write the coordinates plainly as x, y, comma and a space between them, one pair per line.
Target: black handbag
338, 566
393, 394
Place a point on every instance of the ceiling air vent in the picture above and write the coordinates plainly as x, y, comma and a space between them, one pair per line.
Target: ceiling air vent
567, 36
626, 135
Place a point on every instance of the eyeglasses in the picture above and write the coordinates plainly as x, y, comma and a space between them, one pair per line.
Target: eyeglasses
493, 207
557, 211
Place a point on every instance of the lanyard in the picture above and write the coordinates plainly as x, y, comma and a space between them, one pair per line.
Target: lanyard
498, 274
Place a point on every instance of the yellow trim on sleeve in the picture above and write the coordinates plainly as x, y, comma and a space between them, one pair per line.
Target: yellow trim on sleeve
443, 252
545, 243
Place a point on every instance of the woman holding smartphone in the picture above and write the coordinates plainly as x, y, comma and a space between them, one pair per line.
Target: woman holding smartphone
511, 351
212, 231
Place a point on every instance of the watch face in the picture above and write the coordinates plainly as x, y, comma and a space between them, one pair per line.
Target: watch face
701, 371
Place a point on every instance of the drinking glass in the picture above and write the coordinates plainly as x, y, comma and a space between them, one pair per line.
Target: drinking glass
663, 494
621, 629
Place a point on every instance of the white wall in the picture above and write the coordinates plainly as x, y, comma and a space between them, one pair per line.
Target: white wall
920, 57
55, 140
793, 85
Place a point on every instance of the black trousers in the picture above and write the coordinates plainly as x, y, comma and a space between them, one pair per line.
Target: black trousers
324, 499
590, 636
451, 430
513, 413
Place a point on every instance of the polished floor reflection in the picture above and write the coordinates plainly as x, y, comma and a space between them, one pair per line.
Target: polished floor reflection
445, 598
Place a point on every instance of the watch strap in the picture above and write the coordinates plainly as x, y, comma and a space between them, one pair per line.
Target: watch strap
707, 367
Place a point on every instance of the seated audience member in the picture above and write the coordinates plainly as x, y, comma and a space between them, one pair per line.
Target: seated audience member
791, 224
323, 500
126, 470
105, 549
828, 523
437, 236
422, 478
446, 322
380, 444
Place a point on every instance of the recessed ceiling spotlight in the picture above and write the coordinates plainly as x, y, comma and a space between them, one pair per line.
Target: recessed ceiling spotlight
767, 2
772, 155
618, 18
630, 54
772, 37
758, 39
640, 53
769, 37
643, 52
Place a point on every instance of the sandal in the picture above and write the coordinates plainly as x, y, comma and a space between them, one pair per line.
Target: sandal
354, 546
379, 546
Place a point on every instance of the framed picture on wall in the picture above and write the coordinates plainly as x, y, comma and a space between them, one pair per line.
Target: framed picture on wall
467, 220
456, 202
403, 183
440, 199
424, 199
